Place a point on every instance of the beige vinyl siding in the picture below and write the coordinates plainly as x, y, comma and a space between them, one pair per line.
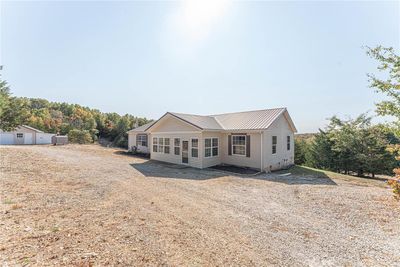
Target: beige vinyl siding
281, 129
212, 161
171, 157
254, 161
172, 124
132, 142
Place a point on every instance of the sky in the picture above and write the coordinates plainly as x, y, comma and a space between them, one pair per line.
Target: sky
149, 57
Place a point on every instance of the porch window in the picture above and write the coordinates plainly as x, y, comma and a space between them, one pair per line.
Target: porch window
177, 146
274, 143
288, 142
166, 145
141, 140
161, 145
195, 148
155, 144
239, 145
210, 147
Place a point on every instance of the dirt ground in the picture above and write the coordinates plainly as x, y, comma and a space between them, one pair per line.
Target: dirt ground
88, 205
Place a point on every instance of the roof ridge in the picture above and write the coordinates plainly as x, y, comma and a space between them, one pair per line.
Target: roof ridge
245, 111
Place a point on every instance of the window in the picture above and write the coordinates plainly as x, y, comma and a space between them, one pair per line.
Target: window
141, 140
239, 145
20, 135
210, 147
155, 144
177, 146
274, 142
166, 145
161, 145
195, 148
288, 142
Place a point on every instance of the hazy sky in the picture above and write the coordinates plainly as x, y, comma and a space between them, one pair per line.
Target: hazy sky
146, 58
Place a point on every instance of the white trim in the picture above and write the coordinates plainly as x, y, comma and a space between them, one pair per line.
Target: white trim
272, 145
180, 146
198, 147
211, 147
245, 145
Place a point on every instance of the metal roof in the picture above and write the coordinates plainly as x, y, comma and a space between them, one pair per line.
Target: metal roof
31, 128
247, 120
203, 122
142, 128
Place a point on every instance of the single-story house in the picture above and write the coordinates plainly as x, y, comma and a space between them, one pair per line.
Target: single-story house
262, 139
25, 135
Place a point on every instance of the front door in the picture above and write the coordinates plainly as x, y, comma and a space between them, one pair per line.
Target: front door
185, 151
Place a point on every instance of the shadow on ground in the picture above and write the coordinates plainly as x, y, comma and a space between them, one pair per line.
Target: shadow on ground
160, 169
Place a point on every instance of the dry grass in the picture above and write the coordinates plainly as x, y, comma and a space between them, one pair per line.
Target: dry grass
93, 206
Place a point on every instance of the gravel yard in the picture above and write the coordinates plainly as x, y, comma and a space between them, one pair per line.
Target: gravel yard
88, 205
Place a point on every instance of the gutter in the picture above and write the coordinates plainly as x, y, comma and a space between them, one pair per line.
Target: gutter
262, 142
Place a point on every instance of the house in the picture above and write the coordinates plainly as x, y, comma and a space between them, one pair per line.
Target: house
262, 139
25, 135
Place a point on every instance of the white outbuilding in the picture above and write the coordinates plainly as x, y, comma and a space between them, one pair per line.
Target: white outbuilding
25, 135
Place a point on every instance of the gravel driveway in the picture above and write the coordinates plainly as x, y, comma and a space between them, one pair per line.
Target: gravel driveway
88, 205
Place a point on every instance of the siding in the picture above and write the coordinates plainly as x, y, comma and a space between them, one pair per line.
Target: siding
177, 159
25, 131
212, 161
132, 142
254, 161
283, 157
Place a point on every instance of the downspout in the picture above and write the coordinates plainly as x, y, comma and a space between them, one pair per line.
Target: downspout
262, 142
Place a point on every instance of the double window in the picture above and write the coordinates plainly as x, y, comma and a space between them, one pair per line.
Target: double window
210, 147
177, 146
20, 135
239, 145
195, 148
288, 142
141, 140
161, 145
274, 143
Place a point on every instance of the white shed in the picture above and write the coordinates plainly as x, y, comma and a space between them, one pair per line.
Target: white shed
25, 135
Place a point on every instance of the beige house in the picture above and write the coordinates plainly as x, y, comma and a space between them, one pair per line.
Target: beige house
25, 135
262, 139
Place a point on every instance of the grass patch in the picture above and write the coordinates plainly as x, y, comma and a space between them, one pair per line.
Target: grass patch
304, 171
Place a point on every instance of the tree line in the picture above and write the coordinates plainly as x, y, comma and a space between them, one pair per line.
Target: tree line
354, 145
81, 124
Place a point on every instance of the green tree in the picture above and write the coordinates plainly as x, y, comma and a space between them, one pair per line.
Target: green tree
12, 110
389, 64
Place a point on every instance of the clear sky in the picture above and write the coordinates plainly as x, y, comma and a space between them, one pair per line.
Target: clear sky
146, 58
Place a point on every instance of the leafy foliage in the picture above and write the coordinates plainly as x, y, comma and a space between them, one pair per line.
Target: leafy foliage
82, 124
12, 111
389, 63
350, 146
390, 86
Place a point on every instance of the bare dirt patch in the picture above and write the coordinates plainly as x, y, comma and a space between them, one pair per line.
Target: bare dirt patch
80, 205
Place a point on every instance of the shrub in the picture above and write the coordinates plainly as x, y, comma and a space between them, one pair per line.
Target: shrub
79, 136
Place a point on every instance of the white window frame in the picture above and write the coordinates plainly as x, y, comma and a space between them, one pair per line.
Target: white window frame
177, 146
169, 145
141, 140
211, 147
245, 145
20, 135
161, 145
288, 143
191, 147
155, 144
274, 145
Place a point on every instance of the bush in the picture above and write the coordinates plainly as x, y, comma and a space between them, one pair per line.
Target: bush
79, 136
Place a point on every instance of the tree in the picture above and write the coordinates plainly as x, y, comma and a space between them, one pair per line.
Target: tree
12, 110
389, 62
